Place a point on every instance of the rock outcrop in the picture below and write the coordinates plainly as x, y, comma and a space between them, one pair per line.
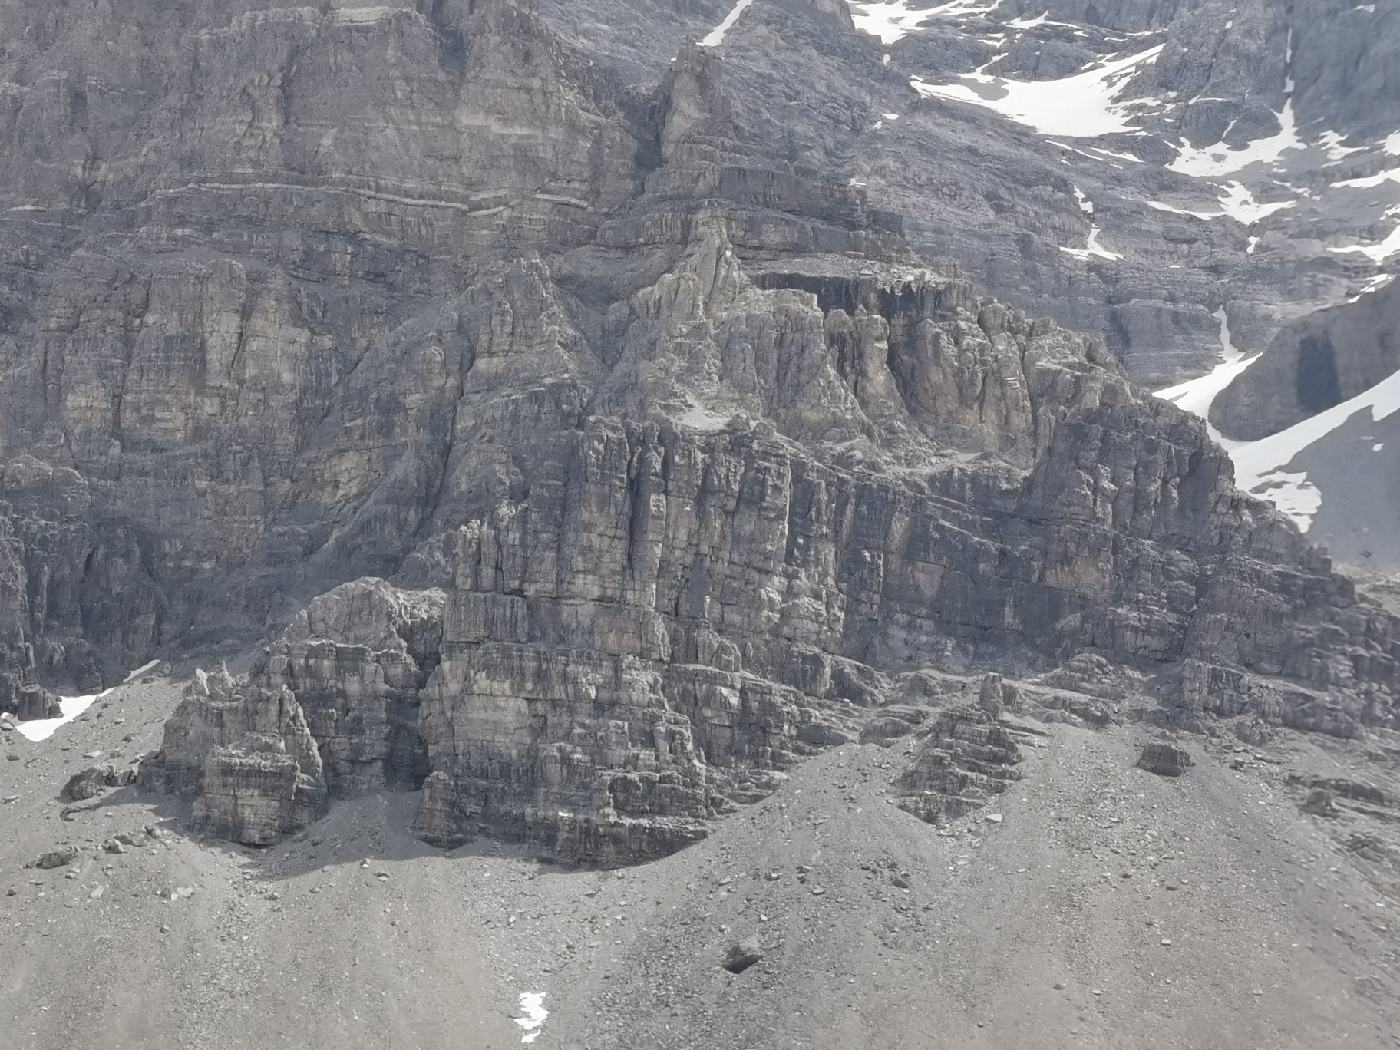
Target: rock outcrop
1166, 760
715, 570
740, 955
245, 757
1313, 364
93, 781
614, 440
968, 756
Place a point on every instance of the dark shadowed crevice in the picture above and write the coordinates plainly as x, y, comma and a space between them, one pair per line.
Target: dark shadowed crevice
1318, 386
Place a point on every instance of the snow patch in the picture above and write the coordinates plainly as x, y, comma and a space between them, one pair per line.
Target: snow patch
1220, 159
1259, 465
1084, 105
1030, 23
1236, 202
1239, 203
1214, 161
1331, 141
716, 35
148, 665
888, 21
1117, 156
1369, 182
1293, 494
1197, 395
893, 20
72, 706
1375, 284
532, 1016
1159, 206
1381, 250
1094, 248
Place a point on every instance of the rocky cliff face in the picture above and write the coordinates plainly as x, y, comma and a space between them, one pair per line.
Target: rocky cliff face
1314, 364
654, 449
727, 561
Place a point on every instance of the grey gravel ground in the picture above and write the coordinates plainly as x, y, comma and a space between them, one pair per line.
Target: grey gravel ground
1109, 908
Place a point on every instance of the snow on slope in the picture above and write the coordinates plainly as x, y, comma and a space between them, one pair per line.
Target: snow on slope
1084, 105
71, 707
892, 20
1236, 202
1250, 181
1196, 395
1220, 159
1261, 466
715, 36
1094, 248
532, 1015
1382, 249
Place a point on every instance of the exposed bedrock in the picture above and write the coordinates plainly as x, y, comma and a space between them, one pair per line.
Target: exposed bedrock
1313, 364
589, 443
664, 615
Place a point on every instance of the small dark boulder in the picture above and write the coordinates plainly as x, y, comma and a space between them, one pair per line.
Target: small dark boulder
741, 955
1166, 760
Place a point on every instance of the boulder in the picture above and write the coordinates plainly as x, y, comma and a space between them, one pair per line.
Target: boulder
58, 858
740, 955
1166, 760
91, 782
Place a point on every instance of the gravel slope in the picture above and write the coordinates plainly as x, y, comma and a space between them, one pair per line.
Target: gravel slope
1048, 929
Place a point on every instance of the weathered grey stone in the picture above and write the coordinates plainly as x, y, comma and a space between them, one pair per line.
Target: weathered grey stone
58, 858
245, 756
91, 782
619, 451
1166, 760
967, 757
678, 603
740, 955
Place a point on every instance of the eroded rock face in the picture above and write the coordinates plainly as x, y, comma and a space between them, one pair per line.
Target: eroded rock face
1313, 364
1166, 760
672, 452
76, 597
355, 660
968, 756
715, 571
245, 757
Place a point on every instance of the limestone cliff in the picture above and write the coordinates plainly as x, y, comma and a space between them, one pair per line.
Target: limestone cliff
606, 446
771, 503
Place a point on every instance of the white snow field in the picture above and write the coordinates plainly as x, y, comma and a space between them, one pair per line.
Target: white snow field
1084, 105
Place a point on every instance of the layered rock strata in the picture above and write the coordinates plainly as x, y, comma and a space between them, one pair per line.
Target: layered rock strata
671, 451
